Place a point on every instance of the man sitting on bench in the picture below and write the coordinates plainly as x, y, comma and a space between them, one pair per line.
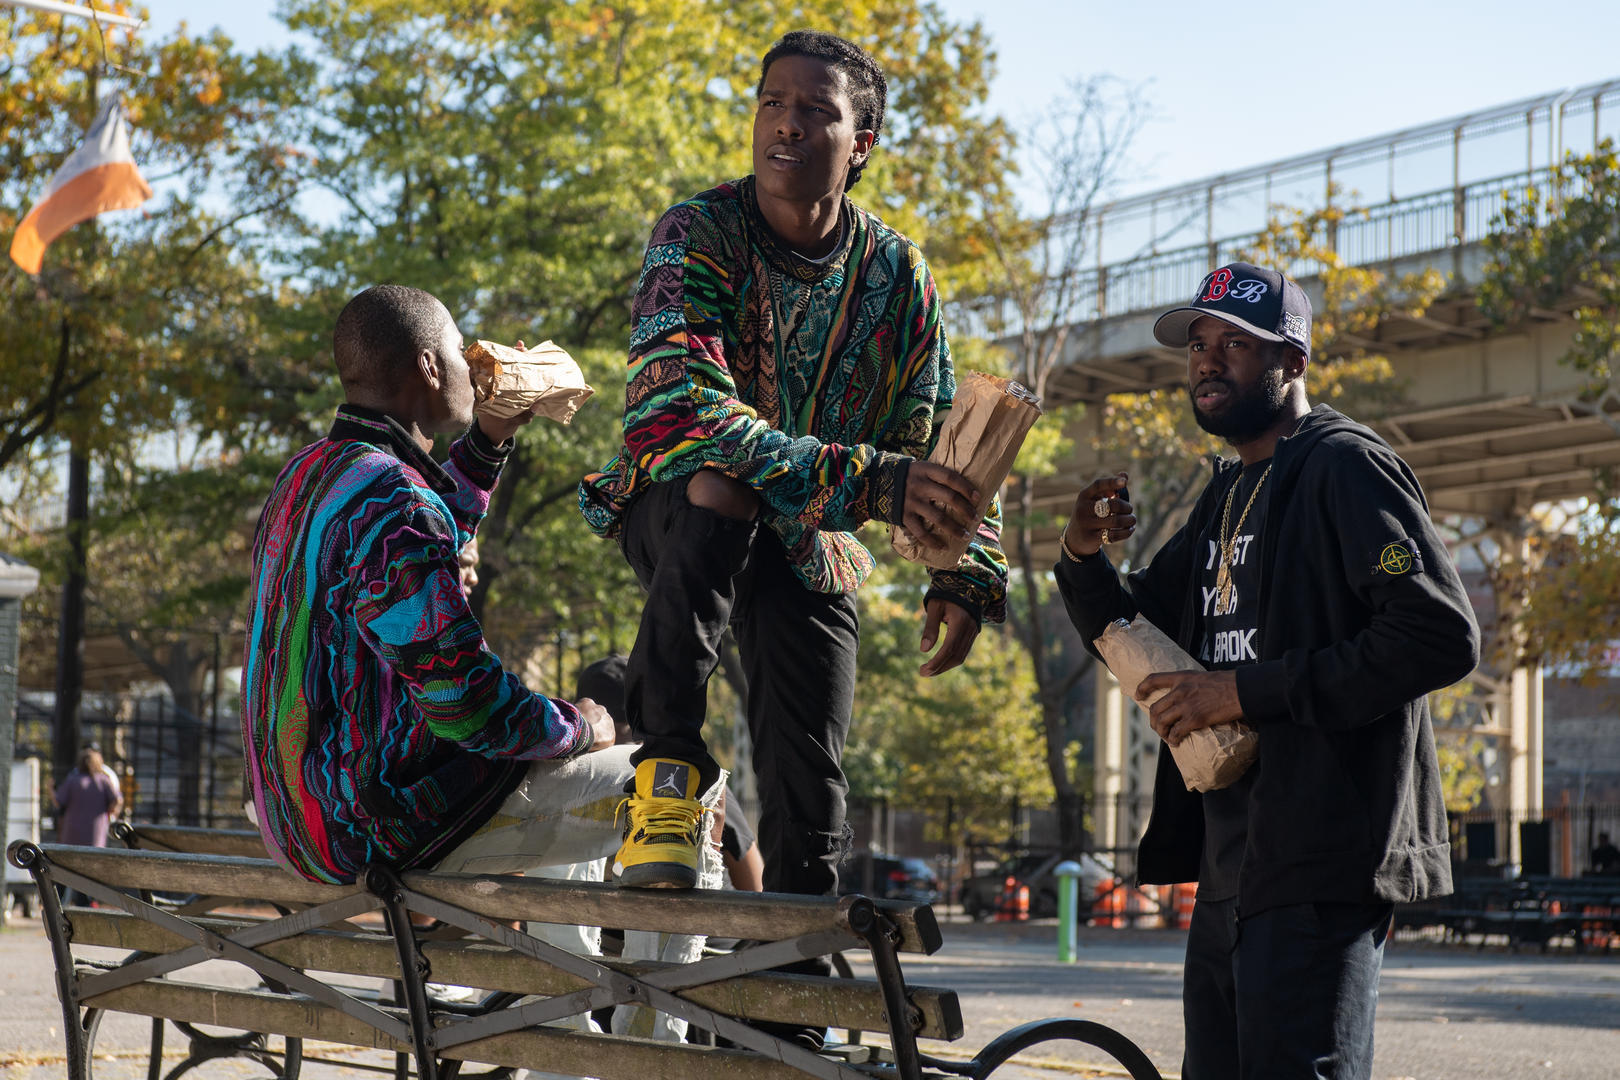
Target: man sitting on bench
377, 726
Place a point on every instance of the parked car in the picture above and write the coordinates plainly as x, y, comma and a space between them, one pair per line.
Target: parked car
888, 877
978, 893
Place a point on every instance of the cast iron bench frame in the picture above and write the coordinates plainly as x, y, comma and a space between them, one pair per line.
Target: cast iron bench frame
532, 981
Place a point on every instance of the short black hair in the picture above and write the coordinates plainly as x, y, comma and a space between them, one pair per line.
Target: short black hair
868, 89
603, 683
379, 333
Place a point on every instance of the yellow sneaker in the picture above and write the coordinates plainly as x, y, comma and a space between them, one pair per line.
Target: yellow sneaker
663, 823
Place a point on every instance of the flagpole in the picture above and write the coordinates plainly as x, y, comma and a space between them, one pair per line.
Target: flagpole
67, 723
57, 7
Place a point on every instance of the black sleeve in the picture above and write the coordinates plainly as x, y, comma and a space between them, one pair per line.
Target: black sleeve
1094, 596
736, 836
1420, 633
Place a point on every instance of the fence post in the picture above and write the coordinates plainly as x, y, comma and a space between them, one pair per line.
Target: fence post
1068, 875
213, 730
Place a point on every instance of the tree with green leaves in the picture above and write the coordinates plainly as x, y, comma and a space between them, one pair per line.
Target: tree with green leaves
973, 740
512, 157
1554, 248
138, 320
1557, 248
141, 323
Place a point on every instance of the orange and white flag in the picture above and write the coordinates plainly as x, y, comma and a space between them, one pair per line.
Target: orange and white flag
99, 176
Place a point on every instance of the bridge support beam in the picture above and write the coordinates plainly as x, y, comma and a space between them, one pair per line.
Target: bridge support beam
1524, 752
1109, 736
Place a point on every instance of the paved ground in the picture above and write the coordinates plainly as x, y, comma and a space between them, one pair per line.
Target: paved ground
1446, 1013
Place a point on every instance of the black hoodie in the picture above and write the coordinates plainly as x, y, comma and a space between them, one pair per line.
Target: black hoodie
1363, 615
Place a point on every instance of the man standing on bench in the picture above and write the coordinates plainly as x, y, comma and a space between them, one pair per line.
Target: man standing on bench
787, 369
377, 726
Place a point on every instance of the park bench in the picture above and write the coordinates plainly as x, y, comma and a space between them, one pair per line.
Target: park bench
325, 958
1526, 911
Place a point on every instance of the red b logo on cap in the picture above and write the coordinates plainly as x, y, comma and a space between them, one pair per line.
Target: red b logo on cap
1215, 288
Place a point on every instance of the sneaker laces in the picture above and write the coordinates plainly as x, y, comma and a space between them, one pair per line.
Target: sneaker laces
662, 816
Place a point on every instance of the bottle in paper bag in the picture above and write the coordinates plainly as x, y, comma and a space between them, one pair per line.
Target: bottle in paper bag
507, 382
1210, 758
980, 439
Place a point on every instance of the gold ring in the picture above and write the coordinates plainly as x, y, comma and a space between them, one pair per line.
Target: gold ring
1100, 507
1105, 536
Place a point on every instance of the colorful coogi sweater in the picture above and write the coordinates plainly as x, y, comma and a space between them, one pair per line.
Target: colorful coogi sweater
376, 724
815, 383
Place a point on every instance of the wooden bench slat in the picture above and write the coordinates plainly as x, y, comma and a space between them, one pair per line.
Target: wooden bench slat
747, 915
194, 840
849, 1003
551, 1049
753, 916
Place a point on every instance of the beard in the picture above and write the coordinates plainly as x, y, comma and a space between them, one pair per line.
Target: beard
1250, 411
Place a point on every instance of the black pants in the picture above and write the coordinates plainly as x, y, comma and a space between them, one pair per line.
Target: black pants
704, 572
1288, 992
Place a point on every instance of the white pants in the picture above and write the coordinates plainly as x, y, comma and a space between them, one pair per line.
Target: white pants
560, 822
561, 812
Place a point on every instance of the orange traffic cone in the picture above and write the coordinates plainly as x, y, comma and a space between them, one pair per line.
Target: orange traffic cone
1186, 897
1012, 905
1110, 906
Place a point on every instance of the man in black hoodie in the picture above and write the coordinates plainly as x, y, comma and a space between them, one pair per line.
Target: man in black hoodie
1312, 584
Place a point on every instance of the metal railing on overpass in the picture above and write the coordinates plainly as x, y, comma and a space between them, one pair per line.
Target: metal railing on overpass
1151, 250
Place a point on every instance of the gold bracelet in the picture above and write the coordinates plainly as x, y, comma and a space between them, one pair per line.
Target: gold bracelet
1063, 545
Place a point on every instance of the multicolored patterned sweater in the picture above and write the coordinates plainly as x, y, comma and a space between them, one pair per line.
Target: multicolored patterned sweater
376, 724
815, 383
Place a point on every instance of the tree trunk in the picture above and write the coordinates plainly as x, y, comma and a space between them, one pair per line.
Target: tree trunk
182, 673
1070, 808
1069, 802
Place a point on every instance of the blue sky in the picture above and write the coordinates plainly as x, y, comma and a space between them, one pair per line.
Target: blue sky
1235, 83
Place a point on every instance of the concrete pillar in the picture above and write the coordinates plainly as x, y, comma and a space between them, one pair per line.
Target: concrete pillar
1524, 764
17, 580
1109, 740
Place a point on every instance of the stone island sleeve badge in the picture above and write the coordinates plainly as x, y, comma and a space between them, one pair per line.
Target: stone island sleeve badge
1398, 558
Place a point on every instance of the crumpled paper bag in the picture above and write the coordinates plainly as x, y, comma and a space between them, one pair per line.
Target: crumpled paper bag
507, 382
980, 439
1210, 758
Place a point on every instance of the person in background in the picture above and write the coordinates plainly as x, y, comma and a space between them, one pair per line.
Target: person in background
467, 566
739, 849
1605, 857
107, 770
87, 800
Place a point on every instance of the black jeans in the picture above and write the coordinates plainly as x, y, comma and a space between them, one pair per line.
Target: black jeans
704, 572
1289, 992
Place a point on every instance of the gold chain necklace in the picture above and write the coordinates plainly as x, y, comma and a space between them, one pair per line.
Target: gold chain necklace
1226, 543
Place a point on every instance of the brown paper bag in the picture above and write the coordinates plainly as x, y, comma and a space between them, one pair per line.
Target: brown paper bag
981, 437
507, 382
1210, 758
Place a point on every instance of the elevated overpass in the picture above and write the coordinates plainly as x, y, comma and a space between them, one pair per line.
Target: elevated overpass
1489, 418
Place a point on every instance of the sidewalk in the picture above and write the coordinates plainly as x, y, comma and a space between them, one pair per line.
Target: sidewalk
31, 1043
1445, 1013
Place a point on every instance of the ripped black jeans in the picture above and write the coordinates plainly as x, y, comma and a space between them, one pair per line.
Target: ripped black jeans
704, 572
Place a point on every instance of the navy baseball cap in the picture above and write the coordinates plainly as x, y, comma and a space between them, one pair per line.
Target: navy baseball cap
1255, 300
